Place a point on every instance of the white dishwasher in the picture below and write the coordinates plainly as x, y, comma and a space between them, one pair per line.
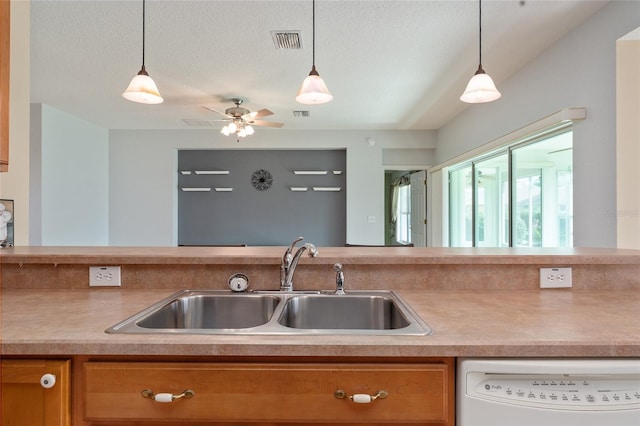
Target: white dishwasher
548, 392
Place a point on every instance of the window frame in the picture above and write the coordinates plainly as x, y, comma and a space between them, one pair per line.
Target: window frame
508, 149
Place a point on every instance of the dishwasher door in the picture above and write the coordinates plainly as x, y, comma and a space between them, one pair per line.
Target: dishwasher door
546, 392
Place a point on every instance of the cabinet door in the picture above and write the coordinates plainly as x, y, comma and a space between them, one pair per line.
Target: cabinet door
25, 402
5, 18
292, 393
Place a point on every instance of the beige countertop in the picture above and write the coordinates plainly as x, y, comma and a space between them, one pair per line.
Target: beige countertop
518, 323
478, 302
328, 255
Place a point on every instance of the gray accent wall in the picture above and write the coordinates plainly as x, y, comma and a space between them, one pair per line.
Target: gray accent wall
143, 178
246, 215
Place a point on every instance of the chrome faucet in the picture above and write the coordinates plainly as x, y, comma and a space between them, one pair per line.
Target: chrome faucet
290, 261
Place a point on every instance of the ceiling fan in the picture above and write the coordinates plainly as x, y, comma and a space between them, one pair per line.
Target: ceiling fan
241, 120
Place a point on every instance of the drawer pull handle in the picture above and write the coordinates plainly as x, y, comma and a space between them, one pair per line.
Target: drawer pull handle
167, 397
361, 398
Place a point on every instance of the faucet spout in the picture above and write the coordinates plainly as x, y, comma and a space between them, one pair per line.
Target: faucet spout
290, 262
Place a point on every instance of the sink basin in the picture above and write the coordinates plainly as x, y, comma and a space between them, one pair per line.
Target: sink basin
203, 310
276, 313
356, 312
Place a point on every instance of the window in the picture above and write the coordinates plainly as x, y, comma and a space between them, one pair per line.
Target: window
492, 202
543, 192
460, 207
403, 214
518, 196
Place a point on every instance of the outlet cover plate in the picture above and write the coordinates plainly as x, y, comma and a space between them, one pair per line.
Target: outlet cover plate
555, 278
104, 276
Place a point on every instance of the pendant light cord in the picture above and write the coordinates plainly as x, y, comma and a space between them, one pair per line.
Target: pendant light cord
313, 32
143, 31
480, 32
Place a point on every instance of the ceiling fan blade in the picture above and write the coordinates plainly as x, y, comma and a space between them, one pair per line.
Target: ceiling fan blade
266, 123
261, 113
217, 112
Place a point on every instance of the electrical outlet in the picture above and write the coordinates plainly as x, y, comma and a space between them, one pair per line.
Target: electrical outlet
102, 276
555, 278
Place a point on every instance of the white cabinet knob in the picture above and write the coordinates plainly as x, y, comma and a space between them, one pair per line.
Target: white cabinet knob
48, 381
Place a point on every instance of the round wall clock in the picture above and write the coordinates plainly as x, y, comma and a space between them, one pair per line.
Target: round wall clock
261, 180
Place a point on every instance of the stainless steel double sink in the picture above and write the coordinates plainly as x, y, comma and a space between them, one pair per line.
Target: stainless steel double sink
276, 313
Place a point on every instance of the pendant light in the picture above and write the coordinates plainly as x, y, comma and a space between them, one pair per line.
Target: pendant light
481, 88
313, 89
142, 88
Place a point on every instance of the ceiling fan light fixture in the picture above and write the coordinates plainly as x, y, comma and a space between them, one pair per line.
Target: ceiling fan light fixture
241, 121
480, 89
142, 88
313, 90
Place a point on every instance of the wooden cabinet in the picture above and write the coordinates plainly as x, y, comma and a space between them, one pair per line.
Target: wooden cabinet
5, 18
268, 393
25, 401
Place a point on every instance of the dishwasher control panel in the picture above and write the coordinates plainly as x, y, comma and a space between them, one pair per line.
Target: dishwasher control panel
558, 391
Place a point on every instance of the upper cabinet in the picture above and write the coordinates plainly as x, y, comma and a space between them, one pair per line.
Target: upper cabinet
5, 18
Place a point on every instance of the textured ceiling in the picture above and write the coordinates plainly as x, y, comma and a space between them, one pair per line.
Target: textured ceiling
391, 64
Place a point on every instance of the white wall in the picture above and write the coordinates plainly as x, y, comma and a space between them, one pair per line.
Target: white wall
69, 180
578, 71
143, 176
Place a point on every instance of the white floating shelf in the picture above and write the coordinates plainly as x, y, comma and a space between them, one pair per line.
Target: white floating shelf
299, 188
337, 172
185, 172
224, 189
212, 172
196, 189
310, 172
327, 188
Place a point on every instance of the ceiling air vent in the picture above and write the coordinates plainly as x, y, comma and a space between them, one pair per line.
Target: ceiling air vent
196, 122
301, 113
286, 40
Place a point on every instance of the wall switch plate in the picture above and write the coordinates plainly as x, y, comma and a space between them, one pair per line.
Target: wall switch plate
104, 276
555, 278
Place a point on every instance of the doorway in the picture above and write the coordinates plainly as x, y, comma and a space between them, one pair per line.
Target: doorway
405, 207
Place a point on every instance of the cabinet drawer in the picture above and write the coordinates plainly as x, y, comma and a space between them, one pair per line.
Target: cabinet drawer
268, 392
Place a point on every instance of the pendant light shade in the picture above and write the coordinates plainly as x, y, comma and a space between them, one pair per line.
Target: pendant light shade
142, 88
313, 89
481, 87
